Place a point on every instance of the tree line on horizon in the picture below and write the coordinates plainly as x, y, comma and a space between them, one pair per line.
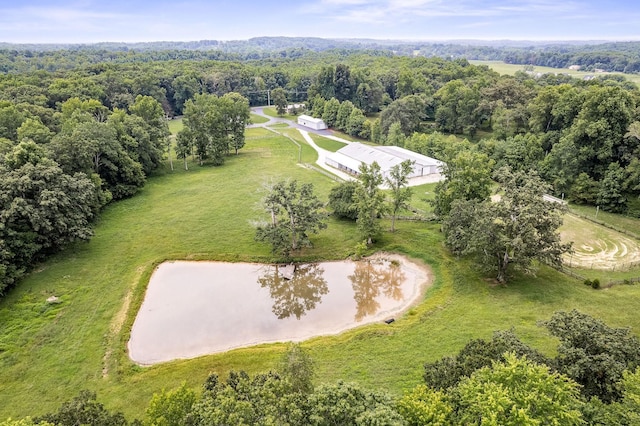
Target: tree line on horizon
621, 56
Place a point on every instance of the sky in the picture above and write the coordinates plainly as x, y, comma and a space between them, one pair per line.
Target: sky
88, 21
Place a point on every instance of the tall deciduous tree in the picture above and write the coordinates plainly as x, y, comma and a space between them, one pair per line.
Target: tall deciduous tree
395, 136
409, 111
344, 112
369, 201
611, 195
398, 181
151, 112
330, 112
343, 83
279, 99
236, 115
467, 177
32, 128
341, 200
513, 232
448, 371
425, 406
84, 409
295, 213
369, 96
348, 404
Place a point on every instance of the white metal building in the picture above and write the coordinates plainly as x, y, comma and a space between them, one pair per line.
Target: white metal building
349, 158
311, 122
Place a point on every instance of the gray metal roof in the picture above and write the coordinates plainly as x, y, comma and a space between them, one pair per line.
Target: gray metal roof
368, 154
405, 154
385, 156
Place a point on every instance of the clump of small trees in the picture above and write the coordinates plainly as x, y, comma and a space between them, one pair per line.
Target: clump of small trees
213, 127
295, 211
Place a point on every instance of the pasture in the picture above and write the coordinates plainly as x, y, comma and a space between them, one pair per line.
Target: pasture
175, 125
48, 352
511, 69
597, 247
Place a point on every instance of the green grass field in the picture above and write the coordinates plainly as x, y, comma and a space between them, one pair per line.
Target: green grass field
272, 112
511, 69
258, 119
326, 143
617, 221
175, 125
597, 247
49, 352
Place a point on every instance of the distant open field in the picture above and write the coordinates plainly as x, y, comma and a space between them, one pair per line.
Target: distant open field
511, 69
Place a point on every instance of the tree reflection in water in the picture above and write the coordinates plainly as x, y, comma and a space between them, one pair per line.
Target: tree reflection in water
297, 295
369, 278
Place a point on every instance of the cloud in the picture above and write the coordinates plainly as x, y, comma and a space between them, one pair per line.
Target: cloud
59, 19
407, 10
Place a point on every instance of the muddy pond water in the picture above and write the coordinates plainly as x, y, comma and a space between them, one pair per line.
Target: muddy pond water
198, 308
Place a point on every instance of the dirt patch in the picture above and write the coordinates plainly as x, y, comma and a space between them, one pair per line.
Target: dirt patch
116, 324
597, 247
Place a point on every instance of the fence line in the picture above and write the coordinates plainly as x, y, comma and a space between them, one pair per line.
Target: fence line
626, 281
567, 271
606, 225
608, 284
324, 172
416, 218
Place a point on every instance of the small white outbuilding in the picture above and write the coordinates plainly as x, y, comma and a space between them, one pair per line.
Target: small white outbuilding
311, 122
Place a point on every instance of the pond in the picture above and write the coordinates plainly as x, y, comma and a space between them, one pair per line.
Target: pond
198, 308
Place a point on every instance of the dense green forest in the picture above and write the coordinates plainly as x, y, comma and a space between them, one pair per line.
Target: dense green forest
611, 56
83, 128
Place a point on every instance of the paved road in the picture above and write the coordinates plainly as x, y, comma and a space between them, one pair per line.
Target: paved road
276, 120
304, 131
322, 153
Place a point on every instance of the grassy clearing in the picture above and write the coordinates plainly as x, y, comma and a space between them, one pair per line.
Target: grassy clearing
511, 69
626, 223
422, 195
326, 143
597, 247
49, 352
258, 119
175, 125
273, 112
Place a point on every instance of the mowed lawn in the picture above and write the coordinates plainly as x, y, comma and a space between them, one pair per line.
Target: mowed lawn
327, 143
49, 352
